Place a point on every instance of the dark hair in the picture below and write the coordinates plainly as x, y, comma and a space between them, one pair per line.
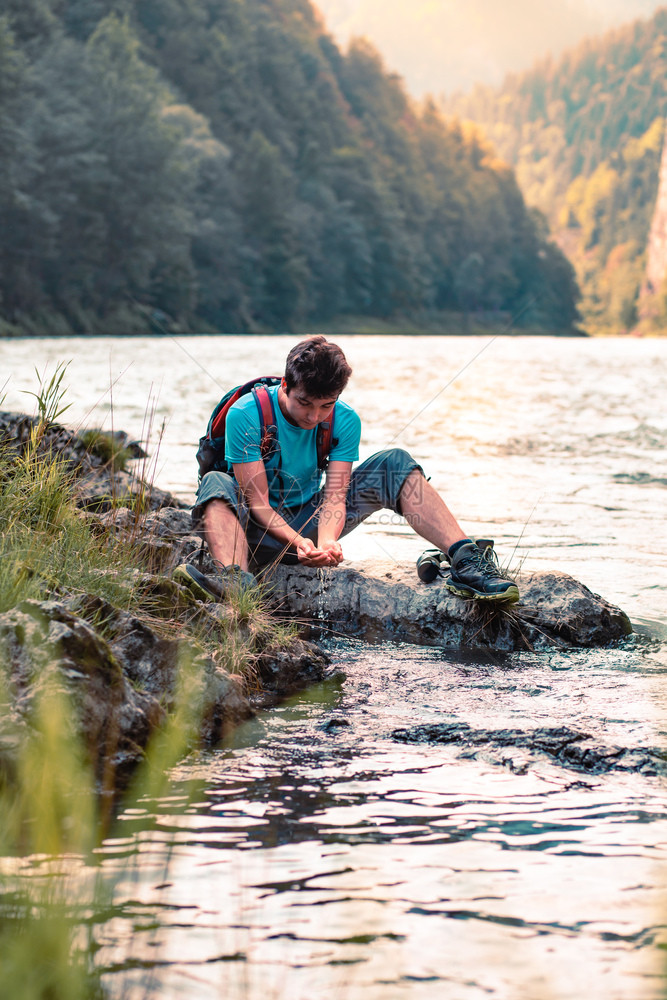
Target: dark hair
318, 366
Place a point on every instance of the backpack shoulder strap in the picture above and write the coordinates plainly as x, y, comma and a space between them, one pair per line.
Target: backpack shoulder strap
268, 430
325, 440
269, 443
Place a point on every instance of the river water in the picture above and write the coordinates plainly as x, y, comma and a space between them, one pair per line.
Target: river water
316, 857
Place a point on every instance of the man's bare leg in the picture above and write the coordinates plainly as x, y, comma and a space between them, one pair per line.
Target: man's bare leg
425, 511
224, 535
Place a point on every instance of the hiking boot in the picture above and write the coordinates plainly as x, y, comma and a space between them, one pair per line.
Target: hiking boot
213, 588
475, 573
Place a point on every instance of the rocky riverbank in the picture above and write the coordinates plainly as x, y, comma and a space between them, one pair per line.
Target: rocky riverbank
120, 665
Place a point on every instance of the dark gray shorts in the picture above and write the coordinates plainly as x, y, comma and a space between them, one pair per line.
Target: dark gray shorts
374, 485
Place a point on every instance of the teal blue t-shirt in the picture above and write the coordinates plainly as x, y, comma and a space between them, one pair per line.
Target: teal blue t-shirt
298, 448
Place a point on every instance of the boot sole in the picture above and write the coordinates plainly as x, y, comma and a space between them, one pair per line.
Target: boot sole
184, 578
509, 596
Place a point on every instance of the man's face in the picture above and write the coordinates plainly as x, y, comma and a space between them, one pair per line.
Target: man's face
303, 410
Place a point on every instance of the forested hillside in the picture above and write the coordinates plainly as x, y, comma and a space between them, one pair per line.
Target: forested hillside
585, 135
218, 164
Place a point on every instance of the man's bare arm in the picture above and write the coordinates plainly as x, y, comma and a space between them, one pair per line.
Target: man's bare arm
332, 513
251, 477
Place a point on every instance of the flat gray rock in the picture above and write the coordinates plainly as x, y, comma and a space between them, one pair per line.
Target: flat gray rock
384, 600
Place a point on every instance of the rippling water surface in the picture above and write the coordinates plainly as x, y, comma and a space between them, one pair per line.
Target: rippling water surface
315, 856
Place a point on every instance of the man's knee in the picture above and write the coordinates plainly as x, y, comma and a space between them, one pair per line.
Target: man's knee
412, 488
217, 493
220, 505
219, 514
389, 474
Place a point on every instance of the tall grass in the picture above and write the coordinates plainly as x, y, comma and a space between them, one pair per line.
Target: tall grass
53, 890
45, 547
50, 396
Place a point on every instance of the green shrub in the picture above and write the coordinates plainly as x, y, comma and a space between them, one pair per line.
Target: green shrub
107, 447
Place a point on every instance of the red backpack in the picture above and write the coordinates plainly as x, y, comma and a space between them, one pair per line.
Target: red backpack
211, 451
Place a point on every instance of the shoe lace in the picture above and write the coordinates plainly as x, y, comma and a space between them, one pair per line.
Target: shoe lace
485, 560
489, 555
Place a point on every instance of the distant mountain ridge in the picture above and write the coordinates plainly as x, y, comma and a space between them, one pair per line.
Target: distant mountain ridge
442, 46
585, 135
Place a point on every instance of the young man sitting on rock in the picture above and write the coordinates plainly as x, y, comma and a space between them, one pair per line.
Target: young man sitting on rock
276, 509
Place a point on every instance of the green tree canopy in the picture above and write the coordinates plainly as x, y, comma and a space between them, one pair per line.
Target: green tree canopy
223, 163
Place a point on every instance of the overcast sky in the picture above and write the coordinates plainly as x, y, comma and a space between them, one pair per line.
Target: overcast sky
444, 45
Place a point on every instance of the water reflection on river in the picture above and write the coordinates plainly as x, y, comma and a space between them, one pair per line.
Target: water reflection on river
316, 857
